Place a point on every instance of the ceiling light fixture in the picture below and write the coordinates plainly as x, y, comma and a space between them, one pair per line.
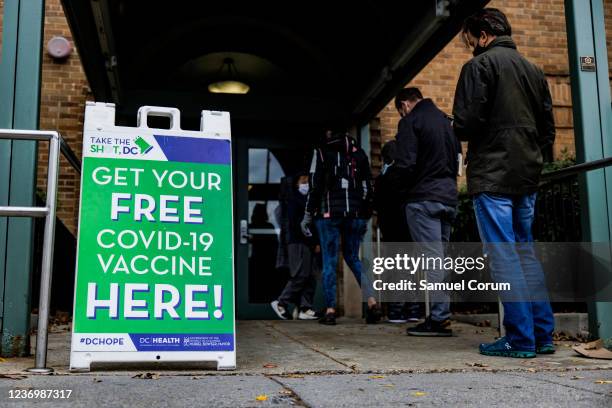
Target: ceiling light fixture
228, 83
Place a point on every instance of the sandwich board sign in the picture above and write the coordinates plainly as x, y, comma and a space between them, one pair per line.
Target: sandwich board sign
154, 275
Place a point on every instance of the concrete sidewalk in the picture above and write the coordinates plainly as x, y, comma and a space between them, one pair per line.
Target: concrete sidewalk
287, 347
351, 364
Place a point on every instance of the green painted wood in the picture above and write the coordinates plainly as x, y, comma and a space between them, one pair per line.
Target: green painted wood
27, 40
603, 310
591, 105
8, 63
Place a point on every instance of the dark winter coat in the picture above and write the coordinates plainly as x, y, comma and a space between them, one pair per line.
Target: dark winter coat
503, 108
427, 152
340, 181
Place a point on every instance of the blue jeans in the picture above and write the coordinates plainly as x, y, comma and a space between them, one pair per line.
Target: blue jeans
330, 230
505, 218
430, 224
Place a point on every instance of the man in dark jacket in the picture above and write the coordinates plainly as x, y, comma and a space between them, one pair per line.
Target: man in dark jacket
427, 177
340, 199
503, 109
391, 218
388, 204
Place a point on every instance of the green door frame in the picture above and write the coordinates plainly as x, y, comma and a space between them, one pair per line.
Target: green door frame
592, 127
240, 164
20, 76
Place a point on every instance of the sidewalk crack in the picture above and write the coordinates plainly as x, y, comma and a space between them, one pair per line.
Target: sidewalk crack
528, 376
294, 395
289, 336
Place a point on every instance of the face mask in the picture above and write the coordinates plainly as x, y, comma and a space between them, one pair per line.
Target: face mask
478, 50
303, 189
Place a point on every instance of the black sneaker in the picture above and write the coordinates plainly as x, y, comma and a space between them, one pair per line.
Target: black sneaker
431, 328
281, 311
396, 313
373, 314
329, 319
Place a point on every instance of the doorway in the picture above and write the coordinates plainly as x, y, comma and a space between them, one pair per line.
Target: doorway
262, 166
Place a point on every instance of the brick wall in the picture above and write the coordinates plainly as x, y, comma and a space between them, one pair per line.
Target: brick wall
540, 33
63, 94
539, 30
62, 106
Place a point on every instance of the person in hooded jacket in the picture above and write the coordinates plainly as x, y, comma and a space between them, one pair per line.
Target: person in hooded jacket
339, 202
503, 109
303, 254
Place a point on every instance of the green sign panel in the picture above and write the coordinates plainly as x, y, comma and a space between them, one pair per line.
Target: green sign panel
155, 262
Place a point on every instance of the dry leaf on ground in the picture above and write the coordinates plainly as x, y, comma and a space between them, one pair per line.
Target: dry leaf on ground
418, 394
477, 364
13, 376
262, 397
147, 376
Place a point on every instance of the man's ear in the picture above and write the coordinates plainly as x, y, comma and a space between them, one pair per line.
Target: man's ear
484, 37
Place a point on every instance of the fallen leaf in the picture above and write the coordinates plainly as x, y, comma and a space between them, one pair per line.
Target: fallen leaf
2, 360
577, 377
147, 376
603, 382
418, 394
285, 392
388, 385
531, 370
270, 365
376, 377
477, 364
262, 397
97, 380
13, 376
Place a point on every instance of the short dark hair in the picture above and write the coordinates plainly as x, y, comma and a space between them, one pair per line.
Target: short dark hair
389, 152
407, 94
490, 20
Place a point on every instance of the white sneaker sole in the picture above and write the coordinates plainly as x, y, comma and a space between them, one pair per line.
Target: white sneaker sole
274, 305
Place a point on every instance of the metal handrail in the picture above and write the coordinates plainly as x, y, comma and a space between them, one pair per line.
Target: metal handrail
56, 145
577, 169
70, 155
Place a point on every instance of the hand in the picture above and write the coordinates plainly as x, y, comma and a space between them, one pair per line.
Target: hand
317, 249
304, 225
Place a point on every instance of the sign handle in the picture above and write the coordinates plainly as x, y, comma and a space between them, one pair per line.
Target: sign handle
145, 111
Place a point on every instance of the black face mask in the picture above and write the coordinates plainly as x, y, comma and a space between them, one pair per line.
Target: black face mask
478, 50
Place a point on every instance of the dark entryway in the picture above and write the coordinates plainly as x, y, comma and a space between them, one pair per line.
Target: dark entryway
308, 66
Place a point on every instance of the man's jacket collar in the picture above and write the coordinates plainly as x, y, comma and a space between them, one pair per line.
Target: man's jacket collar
504, 41
421, 105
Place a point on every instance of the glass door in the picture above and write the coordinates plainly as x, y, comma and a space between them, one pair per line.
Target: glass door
262, 171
